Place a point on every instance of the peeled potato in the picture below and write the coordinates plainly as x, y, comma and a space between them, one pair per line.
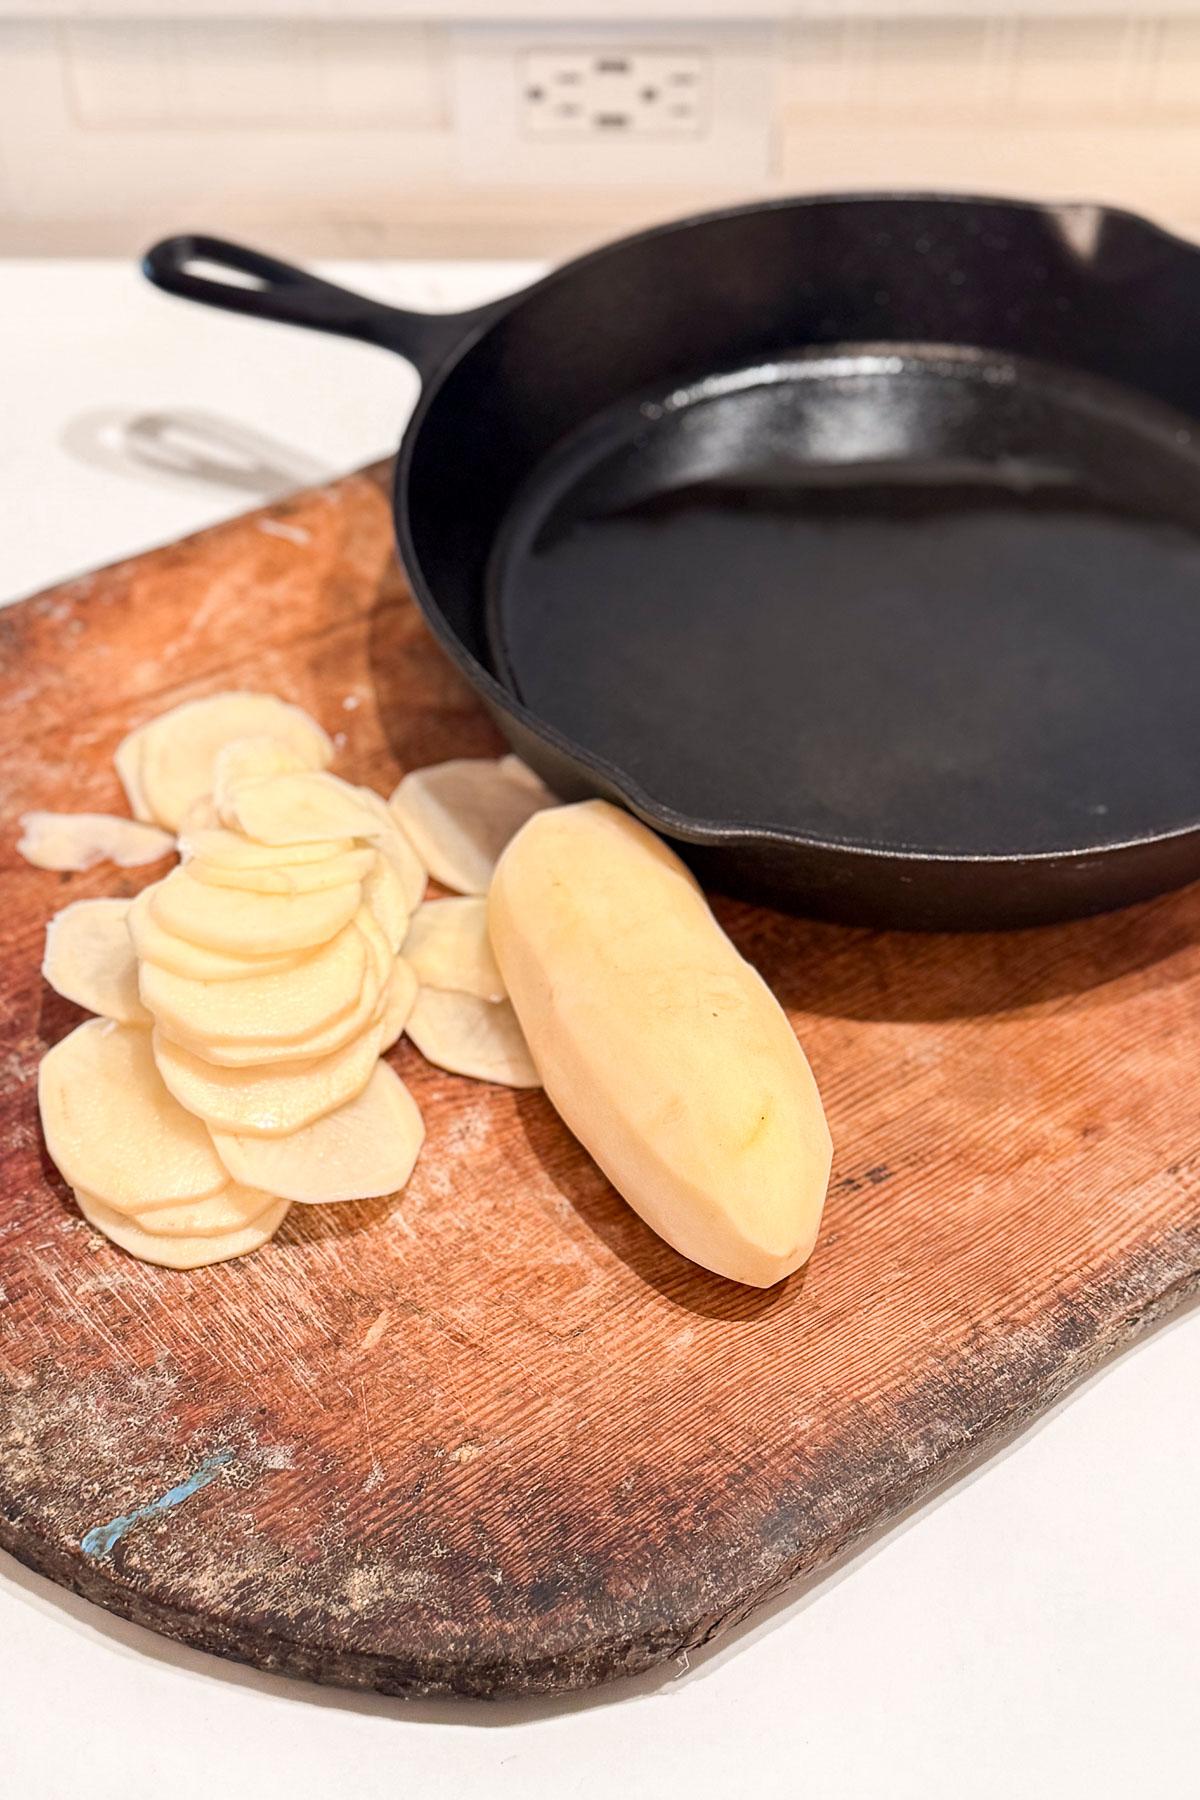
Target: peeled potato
664, 1051
301, 809
469, 1036
287, 878
241, 923
113, 1129
175, 753
459, 816
78, 841
449, 948
279, 1007
179, 1252
253, 759
270, 1099
90, 959
364, 1149
398, 1005
156, 945
383, 896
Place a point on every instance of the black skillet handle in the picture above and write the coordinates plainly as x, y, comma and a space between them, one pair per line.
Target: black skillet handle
280, 291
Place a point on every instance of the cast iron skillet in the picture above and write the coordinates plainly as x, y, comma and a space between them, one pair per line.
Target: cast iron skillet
853, 543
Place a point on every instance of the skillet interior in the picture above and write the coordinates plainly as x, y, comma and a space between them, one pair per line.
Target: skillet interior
1036, 528
923, 601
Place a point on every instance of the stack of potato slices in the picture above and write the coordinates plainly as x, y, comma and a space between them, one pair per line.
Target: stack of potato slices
246, 999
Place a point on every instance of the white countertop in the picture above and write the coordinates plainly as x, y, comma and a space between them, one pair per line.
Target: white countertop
1032, 1631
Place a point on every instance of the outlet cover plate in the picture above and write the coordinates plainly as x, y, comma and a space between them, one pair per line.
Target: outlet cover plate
515, 123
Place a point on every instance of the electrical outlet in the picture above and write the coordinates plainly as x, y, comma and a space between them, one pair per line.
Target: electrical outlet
638, 93
543, 105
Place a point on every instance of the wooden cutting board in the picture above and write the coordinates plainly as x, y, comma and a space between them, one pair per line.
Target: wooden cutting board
492, 1436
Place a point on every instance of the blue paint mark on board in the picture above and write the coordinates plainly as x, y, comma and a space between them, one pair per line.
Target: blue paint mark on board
101, 1540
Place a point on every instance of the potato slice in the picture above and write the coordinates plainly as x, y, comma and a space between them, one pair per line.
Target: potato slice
664, 1051
179, 1252
243, 924
200, 837
78, 841
175, 753
469, 1036
449, 948
273, 1099
367, 1011
113, 1129
252, 759
128, 764
401, 997
253, 1053
201, 815
383, 956
279, 1007
232, 1209
154, 944
521, 771
301, 809
394, 843
287, 878
383, 896
90, 959
459, 816
364, 1149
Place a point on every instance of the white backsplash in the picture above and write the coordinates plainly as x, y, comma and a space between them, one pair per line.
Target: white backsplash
388, 135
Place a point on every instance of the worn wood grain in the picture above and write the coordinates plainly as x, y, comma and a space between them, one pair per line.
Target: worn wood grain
492, 1436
